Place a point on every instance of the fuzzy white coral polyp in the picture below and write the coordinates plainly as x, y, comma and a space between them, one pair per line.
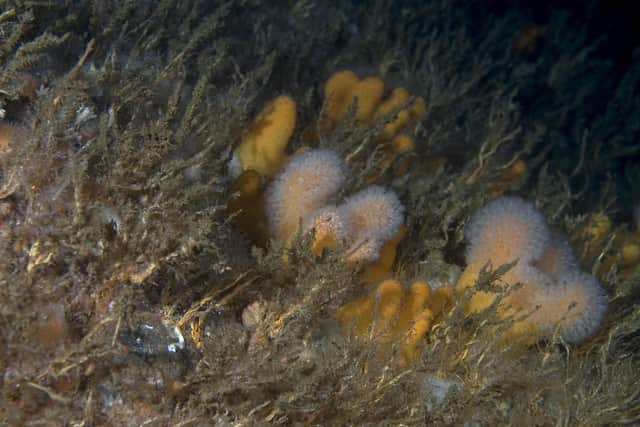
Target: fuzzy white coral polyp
305, 184
555, 291
376, 215
300, 193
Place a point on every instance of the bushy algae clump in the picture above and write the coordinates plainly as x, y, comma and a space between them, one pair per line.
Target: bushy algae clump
168, 256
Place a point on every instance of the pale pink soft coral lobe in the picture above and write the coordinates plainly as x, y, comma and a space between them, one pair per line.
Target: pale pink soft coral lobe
558, 258
505, 230
306, 184
376, 215
575, 304
554, 292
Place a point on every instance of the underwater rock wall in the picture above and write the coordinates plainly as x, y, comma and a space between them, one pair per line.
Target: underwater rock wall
164, 259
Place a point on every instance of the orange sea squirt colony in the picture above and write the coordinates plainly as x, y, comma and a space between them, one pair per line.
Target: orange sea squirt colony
554, 294
391, 314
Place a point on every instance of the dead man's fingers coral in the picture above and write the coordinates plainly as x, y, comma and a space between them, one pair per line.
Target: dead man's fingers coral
377, 216
371, 315
263, 144
392, 315
400, 144
505, 230
406, 117
380, 269
417, 298
344, 88
558, 257
368, 92
576, 306
330, 226
306, 184
338, 96
552, 292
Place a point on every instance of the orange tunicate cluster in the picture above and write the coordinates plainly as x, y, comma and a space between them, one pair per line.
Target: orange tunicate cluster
391, 314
